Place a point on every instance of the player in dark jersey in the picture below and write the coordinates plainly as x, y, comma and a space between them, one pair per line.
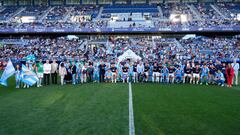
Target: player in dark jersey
196, 74
187, 73
171, 70
125, 71
113, 69
212, 71
135, 74
102, 67
160, 67
146, 72
155, 76
224, 71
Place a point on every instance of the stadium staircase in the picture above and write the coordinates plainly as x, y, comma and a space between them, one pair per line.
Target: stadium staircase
134, 42
86, 47
109, 48
153, 42
16, 13
82, 45
100, 13
160, 11
218, 11
45, 14
194, 11
179, 45
68, 14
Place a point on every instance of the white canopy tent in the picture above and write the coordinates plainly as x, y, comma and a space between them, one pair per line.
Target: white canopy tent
129, 54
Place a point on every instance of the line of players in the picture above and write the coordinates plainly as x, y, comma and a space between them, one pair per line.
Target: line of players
78, 72
195, 73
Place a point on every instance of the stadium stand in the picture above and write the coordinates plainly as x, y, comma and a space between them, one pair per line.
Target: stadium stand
170, 16
95, 48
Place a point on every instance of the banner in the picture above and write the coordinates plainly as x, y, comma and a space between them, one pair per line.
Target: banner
28, 76
8, 72
168, 29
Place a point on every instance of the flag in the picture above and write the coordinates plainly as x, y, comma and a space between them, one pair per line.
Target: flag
30, 57
8, 72
28, 76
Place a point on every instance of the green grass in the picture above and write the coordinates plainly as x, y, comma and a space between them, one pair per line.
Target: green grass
102, 109
88, 109
186, 110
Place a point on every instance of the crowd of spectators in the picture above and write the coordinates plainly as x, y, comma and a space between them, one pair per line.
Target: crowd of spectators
111, 47
90, 16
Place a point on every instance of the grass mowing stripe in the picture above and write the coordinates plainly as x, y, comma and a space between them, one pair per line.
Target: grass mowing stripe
185, 110
73, 110
131, 116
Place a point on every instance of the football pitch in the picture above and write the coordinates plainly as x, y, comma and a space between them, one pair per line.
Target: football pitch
103, 109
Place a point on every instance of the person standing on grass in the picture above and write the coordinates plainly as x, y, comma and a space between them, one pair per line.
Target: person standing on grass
84, 73
196, 74
25, 73
140, 71
68, 77
73, 72
119, 68
39, 73
130, 66
155, 74
224, 71
235, 66
46, 72
160, 67
229, 74
165, 74
114, 73
18, 76
79, 73
187, 73
62, 72
125, 71
90, 71
54, 70
204, 74
102, 71
146, 72
34, 70
96, 73
135, 75
171, 70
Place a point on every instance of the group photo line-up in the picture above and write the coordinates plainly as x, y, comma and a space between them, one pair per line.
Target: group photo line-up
38, 74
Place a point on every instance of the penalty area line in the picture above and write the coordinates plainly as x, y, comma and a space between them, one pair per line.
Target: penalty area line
131, 116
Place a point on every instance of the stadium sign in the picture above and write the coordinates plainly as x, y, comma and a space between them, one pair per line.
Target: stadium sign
117, 30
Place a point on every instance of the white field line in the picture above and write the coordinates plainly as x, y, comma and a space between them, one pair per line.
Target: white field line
131, 116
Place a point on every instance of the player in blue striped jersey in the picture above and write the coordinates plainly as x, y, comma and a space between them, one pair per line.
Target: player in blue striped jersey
165, 74
179, 75
205, 74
